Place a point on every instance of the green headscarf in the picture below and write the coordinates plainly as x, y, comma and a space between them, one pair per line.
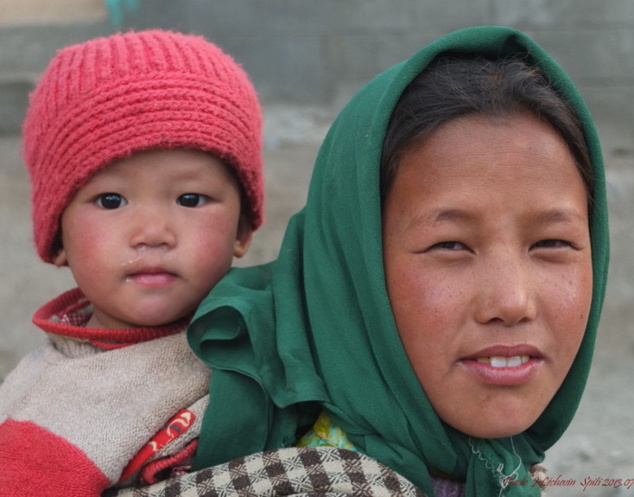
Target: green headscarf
316, 325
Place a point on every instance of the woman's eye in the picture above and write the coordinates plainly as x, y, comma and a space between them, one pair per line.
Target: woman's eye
552, 244
192, 200
110, 201
450, 245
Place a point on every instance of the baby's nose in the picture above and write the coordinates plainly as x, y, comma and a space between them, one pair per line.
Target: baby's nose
153, 228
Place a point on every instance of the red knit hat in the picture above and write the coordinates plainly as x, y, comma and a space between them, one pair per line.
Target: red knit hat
108, 98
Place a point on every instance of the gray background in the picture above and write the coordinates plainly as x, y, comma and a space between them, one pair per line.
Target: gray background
306, 58
319, 51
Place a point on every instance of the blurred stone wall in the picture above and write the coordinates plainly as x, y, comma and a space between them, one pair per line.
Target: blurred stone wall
321, 51
46, 11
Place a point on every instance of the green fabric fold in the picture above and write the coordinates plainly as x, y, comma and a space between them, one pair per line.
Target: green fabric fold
314, 330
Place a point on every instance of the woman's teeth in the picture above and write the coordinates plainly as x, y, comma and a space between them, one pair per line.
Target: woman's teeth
504, 362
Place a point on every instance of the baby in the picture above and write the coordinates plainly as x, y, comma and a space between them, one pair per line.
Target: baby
144, 152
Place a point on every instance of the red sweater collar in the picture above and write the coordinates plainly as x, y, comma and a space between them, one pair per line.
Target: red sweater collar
67, 314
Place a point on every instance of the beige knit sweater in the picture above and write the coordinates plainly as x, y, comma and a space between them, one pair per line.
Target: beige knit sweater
93, 409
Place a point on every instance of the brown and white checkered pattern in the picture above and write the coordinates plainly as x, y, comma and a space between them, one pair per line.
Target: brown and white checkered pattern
306, 471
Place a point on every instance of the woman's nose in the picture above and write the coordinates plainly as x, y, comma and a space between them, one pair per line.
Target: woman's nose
506, 294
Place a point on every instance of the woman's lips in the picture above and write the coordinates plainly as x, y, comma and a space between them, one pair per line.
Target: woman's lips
504, 362
504, 365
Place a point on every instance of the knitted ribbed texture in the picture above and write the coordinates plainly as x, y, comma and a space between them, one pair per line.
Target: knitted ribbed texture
107, 98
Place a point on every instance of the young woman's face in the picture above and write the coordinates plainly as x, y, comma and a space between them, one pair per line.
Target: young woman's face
149, 236
488, 268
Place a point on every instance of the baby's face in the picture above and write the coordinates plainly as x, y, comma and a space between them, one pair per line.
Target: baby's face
149, 236
488, 267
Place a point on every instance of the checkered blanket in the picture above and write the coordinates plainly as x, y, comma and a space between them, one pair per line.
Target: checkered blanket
320, 471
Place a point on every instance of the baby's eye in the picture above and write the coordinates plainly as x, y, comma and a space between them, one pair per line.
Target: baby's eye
192, 200
110, 201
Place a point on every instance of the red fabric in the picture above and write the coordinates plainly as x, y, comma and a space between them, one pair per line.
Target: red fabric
174, 428
37, 463
55, 316
177, 464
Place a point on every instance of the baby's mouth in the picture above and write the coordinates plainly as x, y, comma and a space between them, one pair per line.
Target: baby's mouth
504, 362
154, 278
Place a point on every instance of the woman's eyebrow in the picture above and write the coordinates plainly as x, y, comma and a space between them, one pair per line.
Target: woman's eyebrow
441, 216
559, 216
564, 215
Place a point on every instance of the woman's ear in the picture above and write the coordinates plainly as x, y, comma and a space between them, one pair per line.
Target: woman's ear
243, 237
